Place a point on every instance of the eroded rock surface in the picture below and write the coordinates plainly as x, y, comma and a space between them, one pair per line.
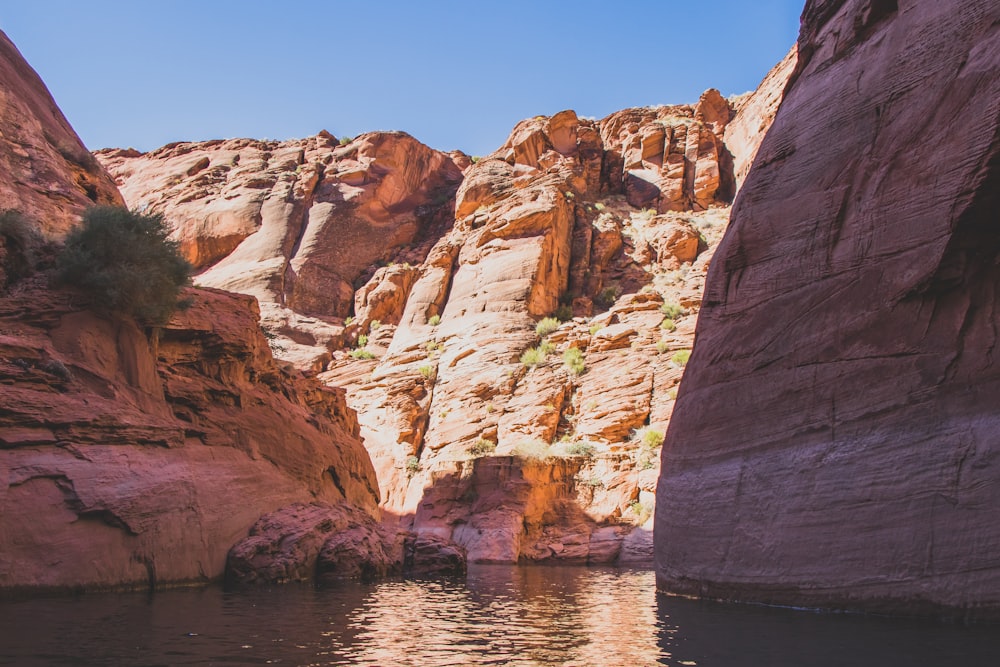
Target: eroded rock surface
48, 175
835, 441
298, 224
423, 308
133, 457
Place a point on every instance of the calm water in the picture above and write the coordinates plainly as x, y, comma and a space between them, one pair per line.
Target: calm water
498, 616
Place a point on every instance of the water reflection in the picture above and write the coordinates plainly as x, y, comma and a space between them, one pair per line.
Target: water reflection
498, 616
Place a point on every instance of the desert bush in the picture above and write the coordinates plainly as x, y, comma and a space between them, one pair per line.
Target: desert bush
18, 242
680, 357
649, 437
434, 320
582, 448
361, 353
374, 325
536, 355
125, 262
564, 312
668, 325
412, 465
573, 361
547, 326
362, 340
671, 310
428, 372
482, 447
662, 346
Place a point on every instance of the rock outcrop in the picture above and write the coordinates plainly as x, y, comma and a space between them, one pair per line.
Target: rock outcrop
835, 438
48, 175
133, 456
417, 287
298, 224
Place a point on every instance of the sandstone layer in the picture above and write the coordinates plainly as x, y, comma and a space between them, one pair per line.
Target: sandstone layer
298, 224
140, 456
131, 457
835, 438
428, 309
48, 175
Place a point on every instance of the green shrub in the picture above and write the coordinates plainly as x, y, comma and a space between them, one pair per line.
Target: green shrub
668, 325
123, 260
374, 325
573, 360
18, 240
564, 312
349, 320
594, 328
428, 372
608, 296
649, 437
361, 353
345, 140
671, 310
482, 447
434, 320
680, 357
536, 355
362, 340
412, 465
582, 448
547, 326
662, 346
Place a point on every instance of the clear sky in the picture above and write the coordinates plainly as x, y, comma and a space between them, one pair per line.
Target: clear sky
143, 73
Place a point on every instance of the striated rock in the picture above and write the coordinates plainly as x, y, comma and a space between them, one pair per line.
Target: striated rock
835, 441
754, 113
298, 224
447, 295
130, 460
49, 176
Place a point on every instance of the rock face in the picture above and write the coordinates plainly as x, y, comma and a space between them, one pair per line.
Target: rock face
418, 288
298, 224
132, 457
835, 440
128, 460
48, 174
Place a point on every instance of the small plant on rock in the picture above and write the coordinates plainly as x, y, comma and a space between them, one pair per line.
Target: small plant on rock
546, 326
573, 361
412, 466
374, 325
434, 320
582, 448
428, 372
668, 325
482, 447
680, 357
361, 353
671, 310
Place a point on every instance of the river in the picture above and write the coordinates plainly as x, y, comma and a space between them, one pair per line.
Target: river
498, 615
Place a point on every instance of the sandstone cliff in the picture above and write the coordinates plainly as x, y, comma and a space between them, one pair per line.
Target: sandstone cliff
835, 439
140, 457
427, 277
48, 175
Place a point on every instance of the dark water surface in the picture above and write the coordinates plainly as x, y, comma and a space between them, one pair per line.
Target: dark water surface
498, 616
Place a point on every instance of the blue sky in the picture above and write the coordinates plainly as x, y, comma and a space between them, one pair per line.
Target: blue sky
452, 74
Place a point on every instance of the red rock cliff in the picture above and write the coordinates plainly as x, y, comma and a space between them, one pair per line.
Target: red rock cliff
48, 175
835, 441
139, 457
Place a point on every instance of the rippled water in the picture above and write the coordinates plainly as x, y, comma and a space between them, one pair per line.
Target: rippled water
497, 616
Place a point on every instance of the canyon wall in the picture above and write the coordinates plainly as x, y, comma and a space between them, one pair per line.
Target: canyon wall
437, 271
136, 456
49, 176
835, 441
